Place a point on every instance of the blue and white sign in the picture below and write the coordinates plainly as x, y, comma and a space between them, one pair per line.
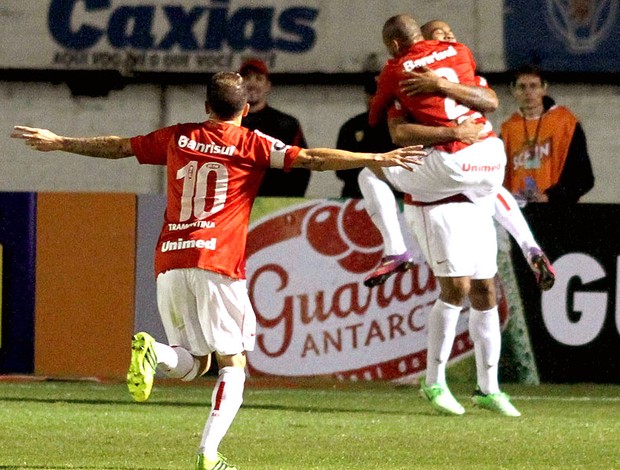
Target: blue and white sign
292, 36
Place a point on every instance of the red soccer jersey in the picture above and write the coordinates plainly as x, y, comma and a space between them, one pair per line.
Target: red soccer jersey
454, 61
214, 171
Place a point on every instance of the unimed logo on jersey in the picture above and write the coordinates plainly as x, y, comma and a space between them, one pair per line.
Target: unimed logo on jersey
481, 168
306, 266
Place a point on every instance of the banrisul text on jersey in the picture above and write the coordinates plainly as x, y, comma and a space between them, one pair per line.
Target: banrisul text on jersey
209, 147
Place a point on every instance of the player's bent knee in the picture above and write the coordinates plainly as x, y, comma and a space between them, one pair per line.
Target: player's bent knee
232, 360
200, 366
204, 364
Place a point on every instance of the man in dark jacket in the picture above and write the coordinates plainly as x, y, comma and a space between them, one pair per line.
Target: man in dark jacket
356, 135
277, 124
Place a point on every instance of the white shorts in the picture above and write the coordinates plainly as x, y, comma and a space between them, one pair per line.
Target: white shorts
476, 171
204, 312
457, 239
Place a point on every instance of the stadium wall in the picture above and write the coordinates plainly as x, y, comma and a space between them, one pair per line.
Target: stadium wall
85, 284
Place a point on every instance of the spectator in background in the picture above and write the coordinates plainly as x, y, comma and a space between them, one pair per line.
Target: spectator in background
277, 124
356, 135
545, 144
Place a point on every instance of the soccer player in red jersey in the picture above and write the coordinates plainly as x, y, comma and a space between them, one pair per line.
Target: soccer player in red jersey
404, 132
214, 170
448, 206
474, 169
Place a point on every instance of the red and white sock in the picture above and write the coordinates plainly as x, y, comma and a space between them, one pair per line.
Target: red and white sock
225, 403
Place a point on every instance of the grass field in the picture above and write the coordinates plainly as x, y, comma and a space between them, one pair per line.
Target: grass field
306, 425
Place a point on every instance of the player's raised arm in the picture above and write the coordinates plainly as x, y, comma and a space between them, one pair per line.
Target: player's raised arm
321, 159
44, 140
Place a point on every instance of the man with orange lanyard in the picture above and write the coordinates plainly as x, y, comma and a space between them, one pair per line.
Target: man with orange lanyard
545, 144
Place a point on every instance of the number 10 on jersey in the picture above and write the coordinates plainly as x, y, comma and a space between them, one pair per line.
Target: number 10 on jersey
204, 189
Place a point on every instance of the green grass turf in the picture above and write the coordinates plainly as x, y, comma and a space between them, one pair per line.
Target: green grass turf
306, 425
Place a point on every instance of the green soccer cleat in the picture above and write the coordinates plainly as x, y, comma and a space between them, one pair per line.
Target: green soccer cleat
441, 399
220, 464
497, 402
142, 367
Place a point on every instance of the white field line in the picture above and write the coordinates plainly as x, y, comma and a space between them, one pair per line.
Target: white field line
582, 398
568, 399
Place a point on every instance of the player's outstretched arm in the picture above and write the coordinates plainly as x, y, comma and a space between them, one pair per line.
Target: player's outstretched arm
322, 159
43, 140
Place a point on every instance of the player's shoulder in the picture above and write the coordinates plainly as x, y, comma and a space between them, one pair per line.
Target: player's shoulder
164, 133
512, 119
185, 127
561, 112
432, 52
460, 45
258, 135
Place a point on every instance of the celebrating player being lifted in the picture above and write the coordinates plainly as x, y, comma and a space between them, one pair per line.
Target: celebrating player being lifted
214, 170
405, 131
449, 204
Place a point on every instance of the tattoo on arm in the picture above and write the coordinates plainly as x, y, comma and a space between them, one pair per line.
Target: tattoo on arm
110, 147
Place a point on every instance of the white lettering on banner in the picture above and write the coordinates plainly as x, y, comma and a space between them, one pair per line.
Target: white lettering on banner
209, 147
584, 322
436, 56
182, 244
